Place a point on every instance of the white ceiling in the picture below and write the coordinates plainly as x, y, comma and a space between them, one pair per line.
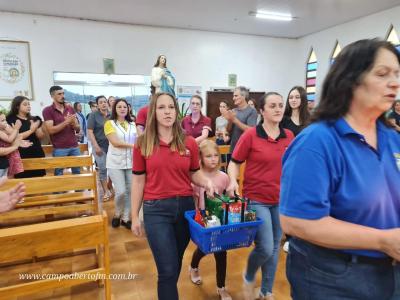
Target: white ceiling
211, 15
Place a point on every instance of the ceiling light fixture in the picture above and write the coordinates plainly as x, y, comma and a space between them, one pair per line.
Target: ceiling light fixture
271, 15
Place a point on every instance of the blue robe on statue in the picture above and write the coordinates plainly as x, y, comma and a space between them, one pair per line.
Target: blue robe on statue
165, 87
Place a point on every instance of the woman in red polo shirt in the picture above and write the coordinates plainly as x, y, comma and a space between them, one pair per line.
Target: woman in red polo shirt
262, 148
195, 124
165, 162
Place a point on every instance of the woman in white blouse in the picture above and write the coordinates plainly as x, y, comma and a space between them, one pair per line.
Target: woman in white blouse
121, 132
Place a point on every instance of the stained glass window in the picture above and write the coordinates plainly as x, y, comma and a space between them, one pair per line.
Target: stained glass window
311, 75
335, 52
393, 38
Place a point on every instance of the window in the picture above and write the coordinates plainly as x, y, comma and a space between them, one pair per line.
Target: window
335, 52
393, 38
311, 75
85, 87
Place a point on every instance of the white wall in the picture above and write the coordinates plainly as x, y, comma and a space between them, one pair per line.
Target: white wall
323, 42
195, 57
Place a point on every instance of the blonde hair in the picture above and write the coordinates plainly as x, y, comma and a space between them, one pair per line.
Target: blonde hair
209, 145
149, 139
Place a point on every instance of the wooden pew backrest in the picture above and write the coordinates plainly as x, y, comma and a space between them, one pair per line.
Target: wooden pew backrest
52, 238
52, 184
43, 199
58, 162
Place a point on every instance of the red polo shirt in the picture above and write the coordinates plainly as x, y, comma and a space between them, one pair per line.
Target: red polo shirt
65, 138
263, 156
195, 129
142, 116
167, 172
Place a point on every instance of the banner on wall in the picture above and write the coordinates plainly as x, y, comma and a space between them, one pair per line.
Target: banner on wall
15, 70
232, 80
186, 92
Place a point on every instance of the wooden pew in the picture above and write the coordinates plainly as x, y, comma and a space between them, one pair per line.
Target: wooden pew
41, 199
50, 163
47, 239
224, 151
48, 149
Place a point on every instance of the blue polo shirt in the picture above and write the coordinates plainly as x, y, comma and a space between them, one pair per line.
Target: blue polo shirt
330, 170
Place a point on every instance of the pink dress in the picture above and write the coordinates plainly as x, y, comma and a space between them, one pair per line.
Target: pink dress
14, 160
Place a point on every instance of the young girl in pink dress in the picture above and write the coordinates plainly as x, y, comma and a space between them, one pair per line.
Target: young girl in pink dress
210, 165
10, 140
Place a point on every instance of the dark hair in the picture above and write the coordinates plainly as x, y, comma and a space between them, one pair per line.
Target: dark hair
197, 97
255, 103
243, 91
262, 100
152, 90
157, 64
226, 103
114, 111
76, 106
394, 104
108, 100
99, 97
345, 74
130, 111
15, 105
55, 88
304, 114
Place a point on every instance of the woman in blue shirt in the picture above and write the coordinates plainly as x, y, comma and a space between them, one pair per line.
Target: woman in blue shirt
340, 194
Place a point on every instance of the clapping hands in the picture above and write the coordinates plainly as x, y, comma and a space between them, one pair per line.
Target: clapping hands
34, 125
229, 115
19, 142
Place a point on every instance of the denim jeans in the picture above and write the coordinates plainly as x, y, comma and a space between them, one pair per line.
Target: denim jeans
267, 242
66, 152
101, 165
3, 172
122, 179
316, 273
168, 235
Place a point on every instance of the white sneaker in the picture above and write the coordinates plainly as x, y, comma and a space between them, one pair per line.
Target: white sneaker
286, 246
269, 296
261, 296
223, 294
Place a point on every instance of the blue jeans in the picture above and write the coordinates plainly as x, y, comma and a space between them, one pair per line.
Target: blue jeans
317, 273
101, 165
3, 172
122, 179
168, 235
266, 251
66, 152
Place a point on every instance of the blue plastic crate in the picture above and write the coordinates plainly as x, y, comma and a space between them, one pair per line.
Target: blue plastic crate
223, 237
